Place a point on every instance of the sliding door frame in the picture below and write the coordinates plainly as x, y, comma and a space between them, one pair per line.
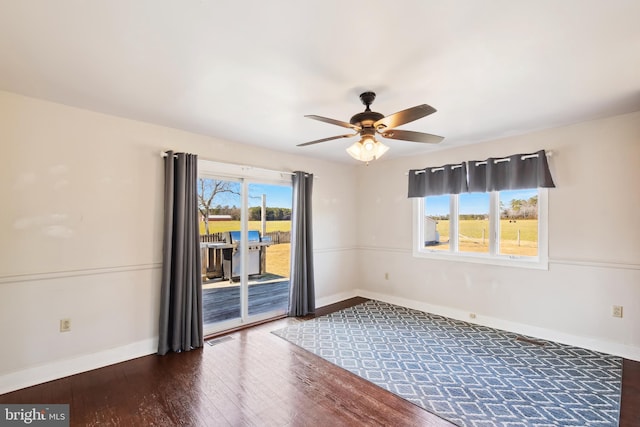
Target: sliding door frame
245, 175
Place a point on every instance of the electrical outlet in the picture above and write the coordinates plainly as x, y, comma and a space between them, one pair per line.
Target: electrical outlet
65, 325
617, 311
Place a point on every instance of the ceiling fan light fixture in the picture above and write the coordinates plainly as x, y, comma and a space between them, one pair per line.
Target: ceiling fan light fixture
368, 143
367, 149
368, 123
381, 150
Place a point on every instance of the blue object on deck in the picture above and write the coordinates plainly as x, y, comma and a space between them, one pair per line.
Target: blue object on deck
231, 256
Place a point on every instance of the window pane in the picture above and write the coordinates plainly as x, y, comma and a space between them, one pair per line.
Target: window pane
473, 222
219, 204
519, 222
436, 222
269, 260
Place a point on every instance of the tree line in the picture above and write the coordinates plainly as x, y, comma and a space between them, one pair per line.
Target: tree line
273, 214
520, 209
517, 209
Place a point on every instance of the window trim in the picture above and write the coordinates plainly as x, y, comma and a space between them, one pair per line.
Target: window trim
210, 168
541, 261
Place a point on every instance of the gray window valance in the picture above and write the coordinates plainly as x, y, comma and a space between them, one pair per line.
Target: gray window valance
447, 179
494, 174
510, 173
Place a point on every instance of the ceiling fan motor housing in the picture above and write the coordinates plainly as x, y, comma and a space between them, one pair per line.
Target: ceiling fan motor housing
367, 118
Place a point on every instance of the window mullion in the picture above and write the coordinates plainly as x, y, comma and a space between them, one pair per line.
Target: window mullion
494, 223
453, 223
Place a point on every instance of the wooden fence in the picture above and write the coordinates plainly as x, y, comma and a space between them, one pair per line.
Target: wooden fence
276, 237
213, 237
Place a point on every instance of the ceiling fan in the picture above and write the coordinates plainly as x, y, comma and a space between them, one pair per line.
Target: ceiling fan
368, 123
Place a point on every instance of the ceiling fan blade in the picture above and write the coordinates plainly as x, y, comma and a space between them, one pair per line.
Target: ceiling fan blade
405, 116
407, 135
334, 122
326, 139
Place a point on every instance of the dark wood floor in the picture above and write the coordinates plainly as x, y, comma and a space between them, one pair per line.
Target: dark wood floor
247, 378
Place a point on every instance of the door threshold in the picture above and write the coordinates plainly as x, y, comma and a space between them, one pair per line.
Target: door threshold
241, 327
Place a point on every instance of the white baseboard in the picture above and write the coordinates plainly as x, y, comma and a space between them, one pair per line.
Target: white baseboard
63, 368
66, 367
607, 347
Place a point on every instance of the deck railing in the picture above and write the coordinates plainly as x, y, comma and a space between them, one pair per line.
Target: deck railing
276, 237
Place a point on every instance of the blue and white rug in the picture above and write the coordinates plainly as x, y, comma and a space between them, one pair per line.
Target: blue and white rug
468, 374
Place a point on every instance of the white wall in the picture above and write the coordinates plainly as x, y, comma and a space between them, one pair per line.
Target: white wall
80, 226
80, 222
594, 242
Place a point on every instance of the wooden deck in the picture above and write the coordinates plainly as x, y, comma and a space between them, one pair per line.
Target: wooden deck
221, 299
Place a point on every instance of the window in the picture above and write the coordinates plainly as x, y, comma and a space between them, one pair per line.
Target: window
501, 227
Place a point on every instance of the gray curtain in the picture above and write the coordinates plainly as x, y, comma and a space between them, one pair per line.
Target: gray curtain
302, 300
434, 181
510, 173
181, 288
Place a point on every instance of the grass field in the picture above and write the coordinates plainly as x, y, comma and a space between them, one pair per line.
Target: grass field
222, 226
278, 259
470, 236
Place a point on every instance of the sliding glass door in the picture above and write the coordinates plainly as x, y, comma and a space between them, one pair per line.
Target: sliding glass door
220, 217
269, 222
245, 229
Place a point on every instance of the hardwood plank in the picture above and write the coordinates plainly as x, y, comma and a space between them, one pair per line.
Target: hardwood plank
252, 379
630, 399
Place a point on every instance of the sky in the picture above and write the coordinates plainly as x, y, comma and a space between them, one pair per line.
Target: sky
473, 203
278, 196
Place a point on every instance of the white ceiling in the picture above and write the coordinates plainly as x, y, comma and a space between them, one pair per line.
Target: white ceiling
248, 71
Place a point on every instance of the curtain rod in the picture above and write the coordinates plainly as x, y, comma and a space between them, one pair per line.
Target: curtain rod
436, 169
508, 159
164, 154
505, 159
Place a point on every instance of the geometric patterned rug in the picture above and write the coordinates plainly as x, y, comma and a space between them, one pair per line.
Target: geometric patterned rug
468, 374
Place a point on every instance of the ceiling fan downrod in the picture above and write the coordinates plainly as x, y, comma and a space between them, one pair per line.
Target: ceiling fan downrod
367, 99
